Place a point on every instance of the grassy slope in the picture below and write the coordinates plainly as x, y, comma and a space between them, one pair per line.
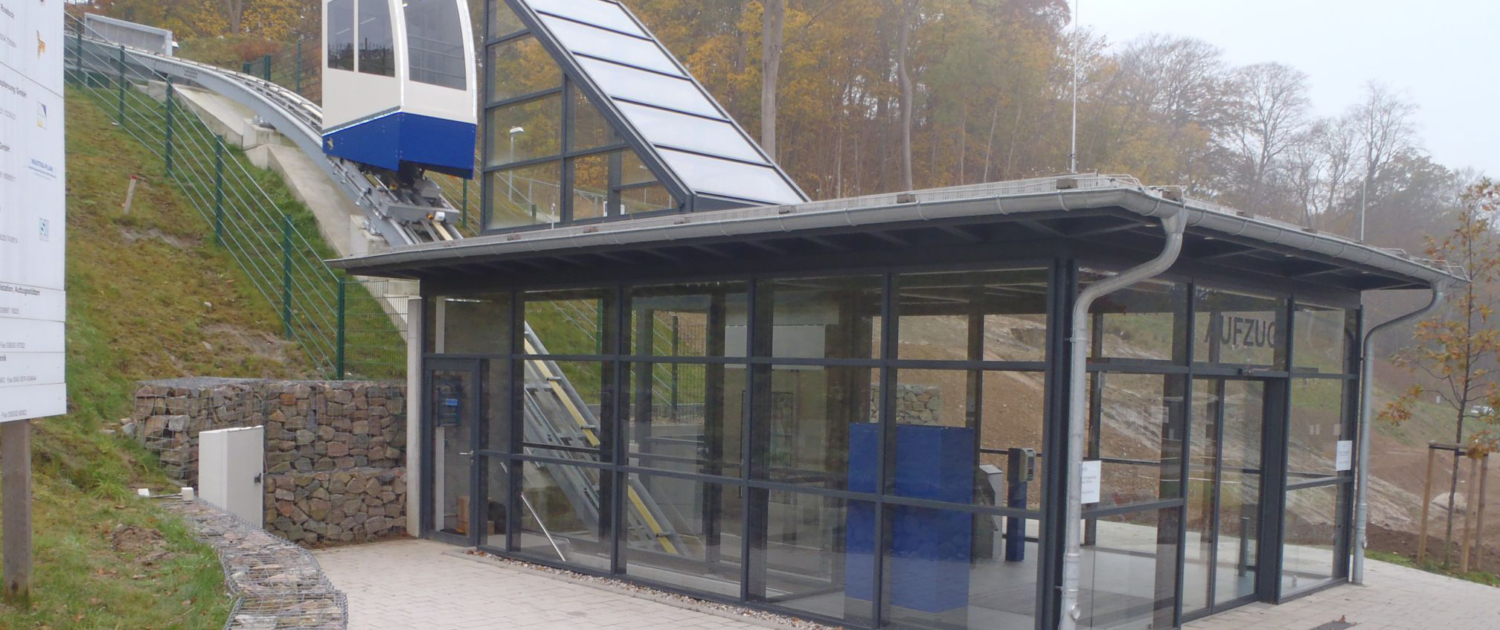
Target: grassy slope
167, 304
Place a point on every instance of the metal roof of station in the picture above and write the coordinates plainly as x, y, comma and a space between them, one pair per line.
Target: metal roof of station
1102, 211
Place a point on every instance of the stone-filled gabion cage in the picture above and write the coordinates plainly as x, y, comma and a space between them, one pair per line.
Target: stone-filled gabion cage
335, 450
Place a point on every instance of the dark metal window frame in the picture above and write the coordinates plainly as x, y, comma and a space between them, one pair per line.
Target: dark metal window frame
685, 198
1062, 287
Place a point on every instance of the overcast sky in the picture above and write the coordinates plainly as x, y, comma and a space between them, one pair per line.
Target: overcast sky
1444, 54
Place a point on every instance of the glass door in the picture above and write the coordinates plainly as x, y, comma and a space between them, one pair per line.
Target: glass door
450, 427
1224, 494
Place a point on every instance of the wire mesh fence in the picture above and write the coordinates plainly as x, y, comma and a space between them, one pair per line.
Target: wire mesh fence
345, 331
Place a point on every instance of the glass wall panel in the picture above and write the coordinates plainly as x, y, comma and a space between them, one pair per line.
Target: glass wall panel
1237, 329
575, 321
597, 182
478, 324
525, 131
560, 517
963, 435
1321, 338
819, 556
520, 67
680, 417
503, 20
567, 405
693, 539
652, 198
1139, 322
1316, 427
495, 434
1311, 536
680, 320
633, 171
588, 128
1129, 571
951, 569
977, 315
1135, 427
825, 318
591, 189
496, 514
527, 195
816, 428
1224, 492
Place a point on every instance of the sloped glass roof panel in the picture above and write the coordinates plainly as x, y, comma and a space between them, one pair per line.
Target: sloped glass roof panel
690, 132
731, 179
597, 42
604, 14
650, 100
645, 87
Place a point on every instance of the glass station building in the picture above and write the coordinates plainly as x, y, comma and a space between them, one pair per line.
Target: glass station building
661, 363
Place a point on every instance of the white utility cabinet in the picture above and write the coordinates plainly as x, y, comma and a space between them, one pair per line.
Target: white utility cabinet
231, 470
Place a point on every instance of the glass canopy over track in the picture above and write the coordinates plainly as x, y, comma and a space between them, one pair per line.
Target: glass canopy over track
590, 118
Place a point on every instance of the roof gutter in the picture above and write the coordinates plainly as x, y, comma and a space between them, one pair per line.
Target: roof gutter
1173, 225
991, 200
1366, 402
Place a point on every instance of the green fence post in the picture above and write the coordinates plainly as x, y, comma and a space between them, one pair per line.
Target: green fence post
245, 67
120, 64
78, 78
299, 66
338, 364
464, 218
675, 351
168, 154
286, 275
265, 63
219, 190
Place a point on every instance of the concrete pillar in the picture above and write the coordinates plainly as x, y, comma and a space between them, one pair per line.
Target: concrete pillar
415, 397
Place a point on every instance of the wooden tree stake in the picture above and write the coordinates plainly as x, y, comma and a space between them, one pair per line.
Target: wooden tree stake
15, 485
1426, 500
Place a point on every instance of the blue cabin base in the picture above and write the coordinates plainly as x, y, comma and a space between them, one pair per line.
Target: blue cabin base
397, 139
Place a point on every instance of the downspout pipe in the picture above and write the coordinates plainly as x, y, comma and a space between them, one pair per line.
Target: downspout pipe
1366, 404
1173, 225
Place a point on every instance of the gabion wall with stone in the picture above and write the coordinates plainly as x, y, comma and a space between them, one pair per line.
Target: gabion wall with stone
335, 450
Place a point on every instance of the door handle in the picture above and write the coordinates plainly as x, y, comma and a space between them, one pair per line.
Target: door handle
466, 454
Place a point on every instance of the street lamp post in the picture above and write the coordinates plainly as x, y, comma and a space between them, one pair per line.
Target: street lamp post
510, 177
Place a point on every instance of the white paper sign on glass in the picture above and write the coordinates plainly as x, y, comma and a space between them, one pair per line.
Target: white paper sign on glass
1091, 475
1344, 460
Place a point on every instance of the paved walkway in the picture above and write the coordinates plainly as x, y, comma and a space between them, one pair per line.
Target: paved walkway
408, 584
416, 584
1394, 598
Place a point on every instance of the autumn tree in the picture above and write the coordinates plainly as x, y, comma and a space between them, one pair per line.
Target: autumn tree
1456, 350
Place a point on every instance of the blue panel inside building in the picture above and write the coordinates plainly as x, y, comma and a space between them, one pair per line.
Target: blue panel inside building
929, 568
435, 144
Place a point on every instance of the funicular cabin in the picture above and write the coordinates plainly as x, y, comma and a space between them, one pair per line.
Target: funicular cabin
662, 363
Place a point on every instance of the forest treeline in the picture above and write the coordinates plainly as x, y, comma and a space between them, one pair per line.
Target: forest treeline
867, 96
